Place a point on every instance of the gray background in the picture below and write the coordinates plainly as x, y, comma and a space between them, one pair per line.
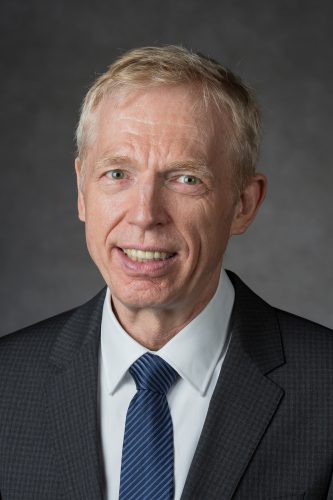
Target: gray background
51, 52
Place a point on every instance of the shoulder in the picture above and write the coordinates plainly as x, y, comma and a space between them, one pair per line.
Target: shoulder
293, 324
24, 354
30, 357
251, 307
305, 340
42, 332
270, 335
28, 350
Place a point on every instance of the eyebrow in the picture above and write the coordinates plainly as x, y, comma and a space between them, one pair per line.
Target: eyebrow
109, 161
195, 166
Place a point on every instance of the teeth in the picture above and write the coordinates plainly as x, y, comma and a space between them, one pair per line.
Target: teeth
142, 255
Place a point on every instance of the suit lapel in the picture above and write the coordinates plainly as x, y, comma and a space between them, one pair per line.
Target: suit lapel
72, 402
243, 403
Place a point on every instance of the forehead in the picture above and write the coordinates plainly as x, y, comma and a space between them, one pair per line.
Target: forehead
167, 116
169, 105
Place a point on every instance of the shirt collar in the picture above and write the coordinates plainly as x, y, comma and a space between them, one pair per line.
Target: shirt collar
193, 352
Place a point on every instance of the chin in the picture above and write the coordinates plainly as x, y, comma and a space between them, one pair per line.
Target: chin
144, 299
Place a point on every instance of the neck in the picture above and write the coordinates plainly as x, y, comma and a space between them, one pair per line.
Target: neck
154, 328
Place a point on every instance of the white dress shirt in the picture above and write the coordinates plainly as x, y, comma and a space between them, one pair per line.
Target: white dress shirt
196, 353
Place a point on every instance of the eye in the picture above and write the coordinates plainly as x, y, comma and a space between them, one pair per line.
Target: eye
115, 174
190, 180
187, 184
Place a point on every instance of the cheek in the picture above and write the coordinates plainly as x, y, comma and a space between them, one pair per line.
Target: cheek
99, 223
193, 224
102, 211
214, 225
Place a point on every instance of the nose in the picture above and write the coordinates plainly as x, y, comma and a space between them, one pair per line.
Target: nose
148, 205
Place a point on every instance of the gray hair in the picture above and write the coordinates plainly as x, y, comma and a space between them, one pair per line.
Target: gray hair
158, 66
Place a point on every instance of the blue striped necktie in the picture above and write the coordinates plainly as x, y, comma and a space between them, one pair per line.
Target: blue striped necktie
147, 468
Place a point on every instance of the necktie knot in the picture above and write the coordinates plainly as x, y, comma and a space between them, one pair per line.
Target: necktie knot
152, 373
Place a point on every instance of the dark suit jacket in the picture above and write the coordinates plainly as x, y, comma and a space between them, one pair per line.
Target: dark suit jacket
268, 433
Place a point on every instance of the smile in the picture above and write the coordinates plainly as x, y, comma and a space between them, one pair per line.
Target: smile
144, 256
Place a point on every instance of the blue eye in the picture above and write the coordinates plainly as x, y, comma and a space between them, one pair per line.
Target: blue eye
190, 180
116, 174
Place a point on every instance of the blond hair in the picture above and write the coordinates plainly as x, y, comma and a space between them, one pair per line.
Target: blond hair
157, 66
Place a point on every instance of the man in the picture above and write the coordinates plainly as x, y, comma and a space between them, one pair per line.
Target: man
176, 381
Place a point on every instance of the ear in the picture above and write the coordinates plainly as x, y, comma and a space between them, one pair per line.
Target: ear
249, 201
80, 197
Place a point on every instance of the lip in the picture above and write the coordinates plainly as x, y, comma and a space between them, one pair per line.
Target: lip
152, 268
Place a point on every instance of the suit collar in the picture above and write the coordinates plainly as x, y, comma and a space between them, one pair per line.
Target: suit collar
72, 403
256, 326
244, 401
253, 321
82, 328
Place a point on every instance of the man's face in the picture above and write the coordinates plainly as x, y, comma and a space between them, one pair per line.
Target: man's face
157, 198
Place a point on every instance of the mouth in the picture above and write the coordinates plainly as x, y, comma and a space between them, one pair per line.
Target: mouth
146, 255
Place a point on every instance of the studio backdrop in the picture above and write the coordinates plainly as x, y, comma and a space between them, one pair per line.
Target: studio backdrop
50, 54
